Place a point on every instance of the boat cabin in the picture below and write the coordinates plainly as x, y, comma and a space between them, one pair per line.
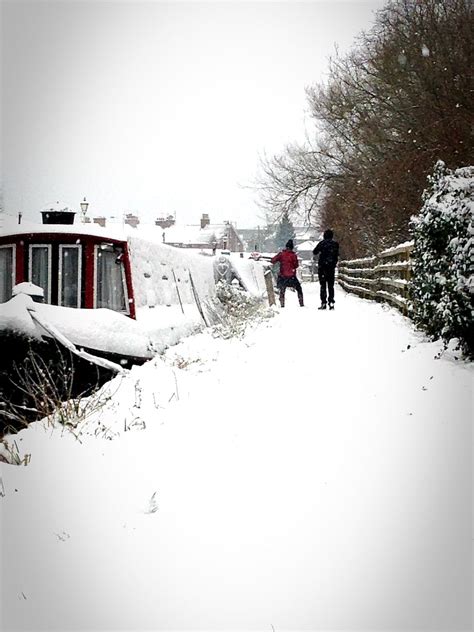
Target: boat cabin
74, 265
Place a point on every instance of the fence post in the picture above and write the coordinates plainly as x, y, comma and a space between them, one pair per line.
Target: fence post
269, 285
376, 276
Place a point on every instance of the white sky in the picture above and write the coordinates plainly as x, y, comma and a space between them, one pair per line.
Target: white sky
155, 107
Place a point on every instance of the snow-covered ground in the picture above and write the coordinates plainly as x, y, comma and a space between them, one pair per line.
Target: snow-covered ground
315, 474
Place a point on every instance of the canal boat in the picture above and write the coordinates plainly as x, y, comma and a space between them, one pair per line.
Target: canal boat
118, 292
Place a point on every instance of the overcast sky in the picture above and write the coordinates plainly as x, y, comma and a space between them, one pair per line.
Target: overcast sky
158, 108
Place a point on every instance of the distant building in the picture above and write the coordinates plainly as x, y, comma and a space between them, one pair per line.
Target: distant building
305, 233
165, 222
131, 220
304, 250
262, 238
100, 220
204, 235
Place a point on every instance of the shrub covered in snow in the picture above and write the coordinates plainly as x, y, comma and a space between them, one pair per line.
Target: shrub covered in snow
239, 309
443, 283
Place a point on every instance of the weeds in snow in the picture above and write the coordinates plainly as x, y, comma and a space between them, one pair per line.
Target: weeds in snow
48, 391
152, 504
10, 453
183, 363
239, 310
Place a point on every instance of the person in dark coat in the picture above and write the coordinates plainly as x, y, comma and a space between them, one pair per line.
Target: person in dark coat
328, 251
287, 275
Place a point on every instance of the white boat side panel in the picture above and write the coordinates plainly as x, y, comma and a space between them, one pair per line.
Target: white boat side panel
161, 274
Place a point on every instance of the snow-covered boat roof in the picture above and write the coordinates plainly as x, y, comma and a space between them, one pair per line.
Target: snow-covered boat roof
9, 226
102, 330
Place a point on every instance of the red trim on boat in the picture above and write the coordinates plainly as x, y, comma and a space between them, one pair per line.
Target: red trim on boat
89, 273
128, 279
20, 275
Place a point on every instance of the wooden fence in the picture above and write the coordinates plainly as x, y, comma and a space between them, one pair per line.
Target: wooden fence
383, 277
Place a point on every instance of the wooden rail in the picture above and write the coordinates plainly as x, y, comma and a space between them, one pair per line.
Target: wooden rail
384, 277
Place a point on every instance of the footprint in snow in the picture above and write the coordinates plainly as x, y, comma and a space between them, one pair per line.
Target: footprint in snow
152, 504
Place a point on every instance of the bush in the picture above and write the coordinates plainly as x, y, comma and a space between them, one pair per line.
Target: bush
442, 281
239, 309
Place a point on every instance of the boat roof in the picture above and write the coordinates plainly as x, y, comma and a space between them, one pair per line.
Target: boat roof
9, 226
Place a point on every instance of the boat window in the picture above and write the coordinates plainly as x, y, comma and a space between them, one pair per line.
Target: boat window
70, 275
40, 268
7, 272
110, 284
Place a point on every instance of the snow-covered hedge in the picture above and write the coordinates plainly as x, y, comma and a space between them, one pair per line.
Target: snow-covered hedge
442, 257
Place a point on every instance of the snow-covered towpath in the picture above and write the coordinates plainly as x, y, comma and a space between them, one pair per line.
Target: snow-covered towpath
314, 475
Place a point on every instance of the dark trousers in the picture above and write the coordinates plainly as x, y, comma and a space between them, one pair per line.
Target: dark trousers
283, 283
326, 281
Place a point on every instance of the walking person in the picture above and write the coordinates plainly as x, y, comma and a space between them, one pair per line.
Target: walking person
328, 251
287, 275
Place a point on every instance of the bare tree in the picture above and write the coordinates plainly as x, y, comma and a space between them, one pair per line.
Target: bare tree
399, 101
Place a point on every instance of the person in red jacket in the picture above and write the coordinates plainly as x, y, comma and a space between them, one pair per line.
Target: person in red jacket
287, 275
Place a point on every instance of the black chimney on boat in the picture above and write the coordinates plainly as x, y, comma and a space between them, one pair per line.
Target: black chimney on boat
58, 215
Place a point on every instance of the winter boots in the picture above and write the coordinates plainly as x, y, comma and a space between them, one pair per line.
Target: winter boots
323, 306
331, 305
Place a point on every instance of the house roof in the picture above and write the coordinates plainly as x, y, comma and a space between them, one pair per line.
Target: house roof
306, 245
187, 234
194, 234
